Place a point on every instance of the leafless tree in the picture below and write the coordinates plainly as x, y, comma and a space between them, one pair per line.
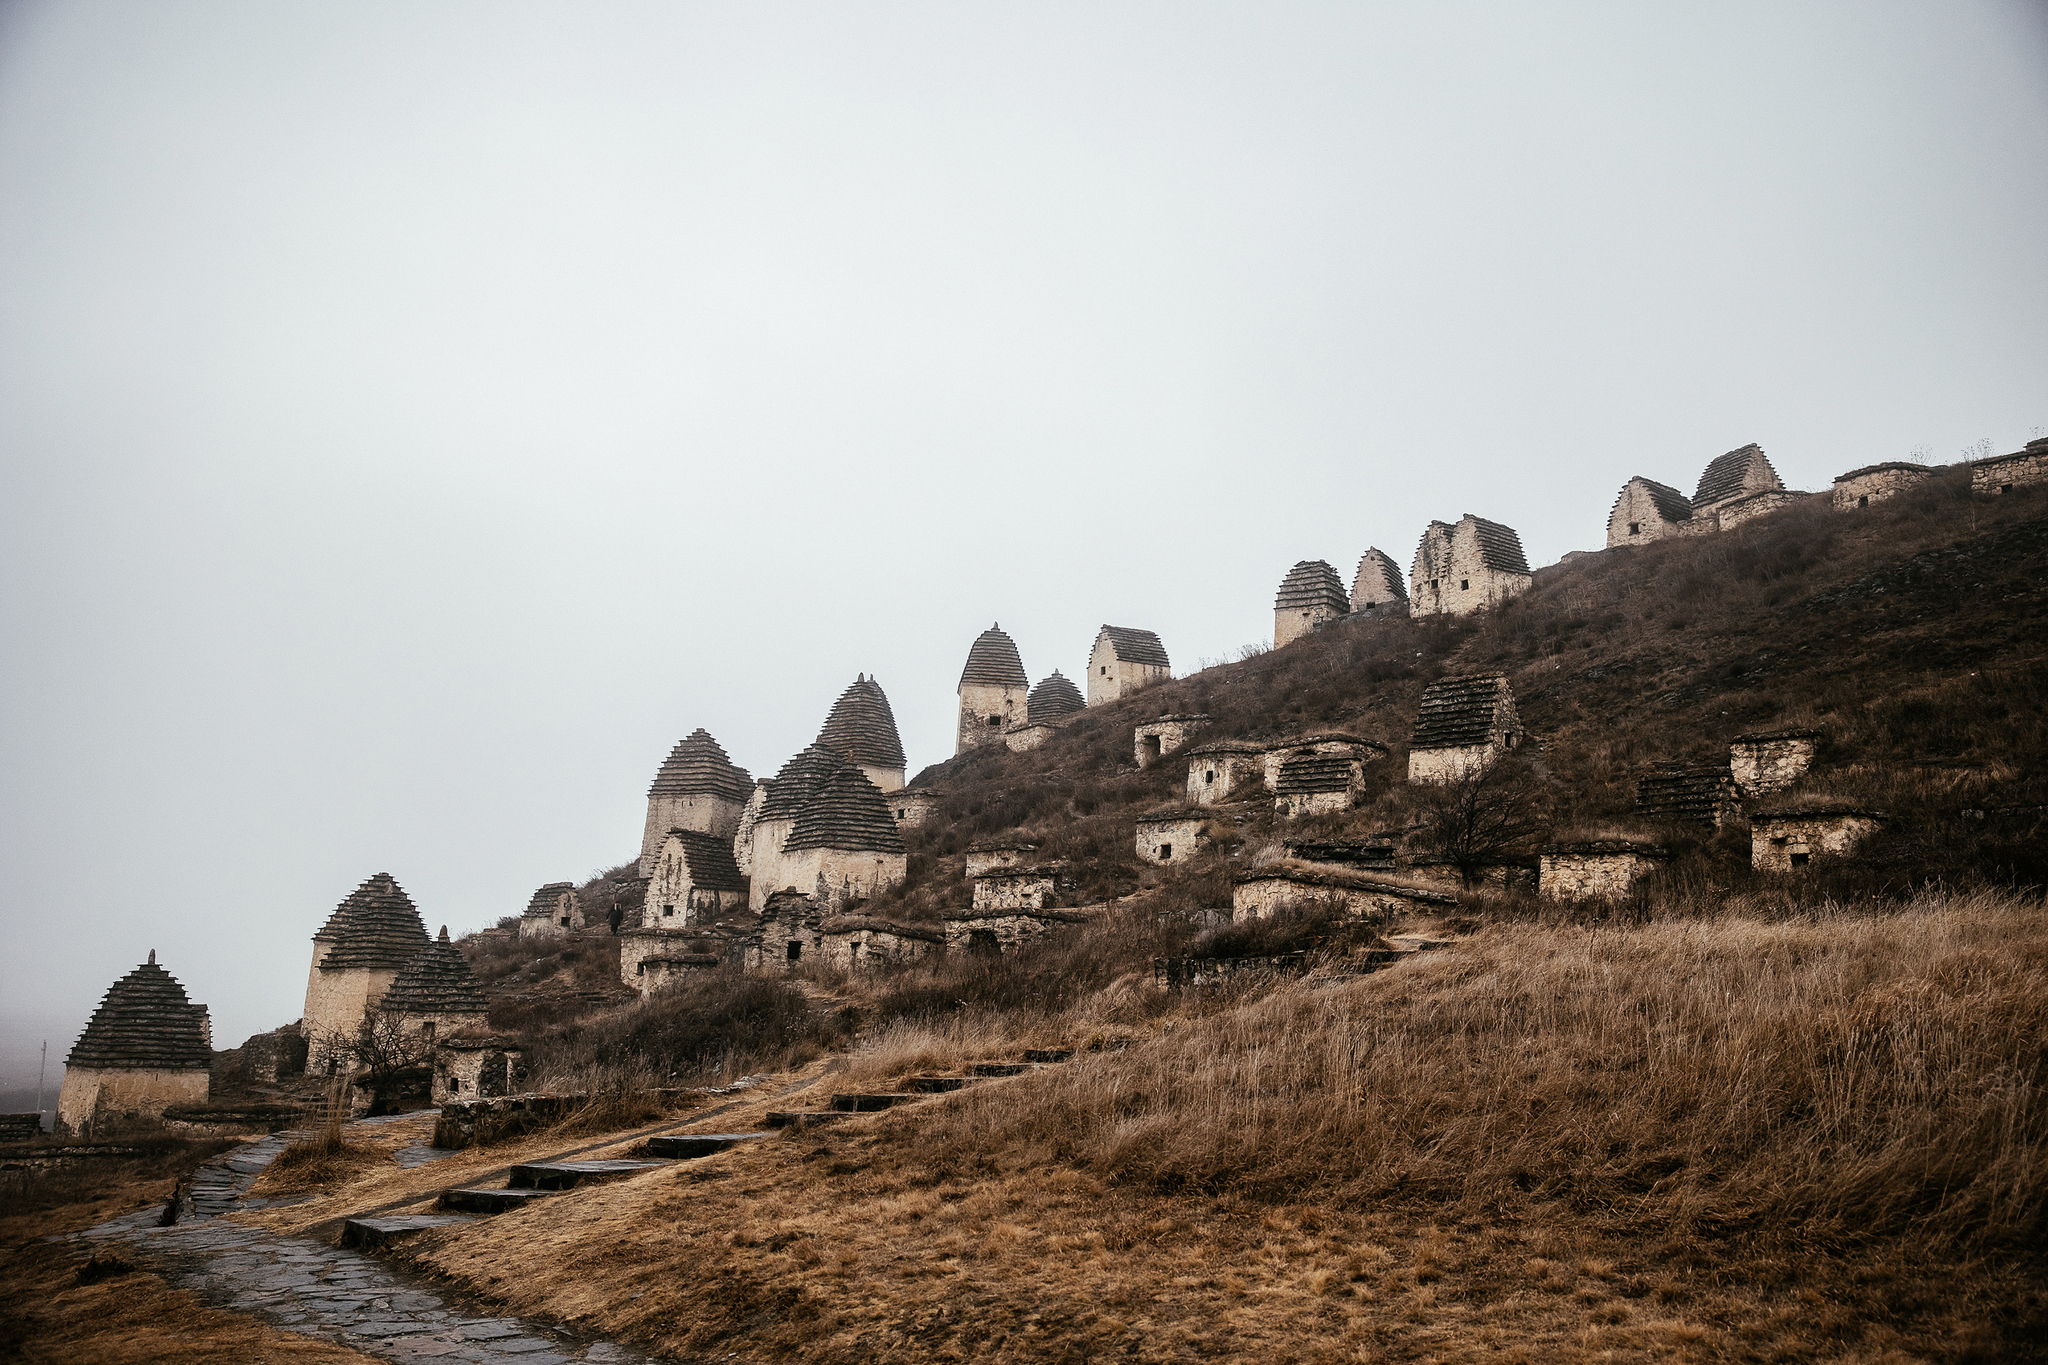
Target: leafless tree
381, 1054
1488, 812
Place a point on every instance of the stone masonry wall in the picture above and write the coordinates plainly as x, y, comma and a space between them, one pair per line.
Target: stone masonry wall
1783, 843
336, 1004
1767, 763
1448, 765
1156, 739
987, 711
91, 1095
1216, 778
1180, 838
859, 873
2007, 472
707, 814
1860, 488
1637, 520
1572, 875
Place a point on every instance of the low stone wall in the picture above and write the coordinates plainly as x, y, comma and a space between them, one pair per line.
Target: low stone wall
1786, 840
477, 1123
232, 1120
20, 1127
1874, 483
1766, 762
1260, 895
1602, 870
1002, 931
1171, 837
1175, 973
1156, 739
2007, 472
1448, 765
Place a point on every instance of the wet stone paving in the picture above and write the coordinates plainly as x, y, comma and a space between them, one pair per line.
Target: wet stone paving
301, 1285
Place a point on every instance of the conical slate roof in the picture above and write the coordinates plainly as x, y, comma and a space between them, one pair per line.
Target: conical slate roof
1732, 474
862, 728
376, 926
793, 785
1053, 698
145, 1023
698, 767
845, 812
1378, 580
1133, 646
437, 981
1312, 583
1460, 712
994, 660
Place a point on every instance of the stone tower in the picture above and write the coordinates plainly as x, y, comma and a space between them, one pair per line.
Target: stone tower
1466, 568
1378, 586
436, 993
843, 839
995, 694
862, 730
1053, 699
1310, 595
357, 954
1125, 659
782, 799
697, 788
145, 1049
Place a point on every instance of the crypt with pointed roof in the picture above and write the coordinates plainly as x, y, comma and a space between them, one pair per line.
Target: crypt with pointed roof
436, 994
145, 1049
995, 692
1378, 586
357, 954
698, 788
696, 880
862, 730
844, 842
1310, 595
1125, 659
1467, 567
780, 800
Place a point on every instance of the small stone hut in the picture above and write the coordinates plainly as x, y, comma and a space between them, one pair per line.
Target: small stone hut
1771, 760
914, 805
1263, 893
553, 911
1167, 836
845, 838
2003, 473
652, 958
1467, 567
862, 730
989, 933
1008, 889
1859, 488
995, 692
1310, 595
1052, 703
147, 1048
986, 857
1647, 510
771, 818
368, 940
1602, 869
1738, 486
698, 788
1379, 586
695, 879
1314, 783
477, 1067
1688, 794
1155, 739
1787, 840
436, 995
1124, 660
1464, 722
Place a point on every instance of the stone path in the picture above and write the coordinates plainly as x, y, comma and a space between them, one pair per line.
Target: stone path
339, 1295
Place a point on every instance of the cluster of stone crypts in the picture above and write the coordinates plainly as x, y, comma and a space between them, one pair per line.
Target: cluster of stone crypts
147, 1047
997, 705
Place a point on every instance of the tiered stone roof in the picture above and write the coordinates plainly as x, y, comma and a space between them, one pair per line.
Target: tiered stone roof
437, 981
792, 786
1313, 773
1372, 856
1693, 795
710, 860
1133, 646
845, 812
1312, 583
1729, 476
1053, 698
862, 728
376, 926
1461, 712
994, 660
1500, 547
145, 1023
698, 767
548, 897
1379, 579
1671, 504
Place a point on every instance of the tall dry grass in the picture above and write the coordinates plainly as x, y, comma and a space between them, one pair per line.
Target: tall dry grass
1831, 1075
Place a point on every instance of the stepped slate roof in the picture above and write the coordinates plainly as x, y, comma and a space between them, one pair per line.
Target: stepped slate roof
698, 767
862, 728
845, 812
994, 660
145, 1023
1500, 547
1053, 698
548, 897
437, 981
1460, 712
1313, 773
1729, 475
376, 926
1133, 646
1379, 579
1312, 583
1674, 791
790, 788
710, 859
1670, 503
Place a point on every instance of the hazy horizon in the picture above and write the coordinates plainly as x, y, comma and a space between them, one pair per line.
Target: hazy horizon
416, 419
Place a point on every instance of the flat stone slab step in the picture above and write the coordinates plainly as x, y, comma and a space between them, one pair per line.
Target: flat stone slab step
1048, 1054
367, 1233
870, 1104
805, 1118
1000, 1068
683, 1146
489, 1201
567, 1175
939, 1085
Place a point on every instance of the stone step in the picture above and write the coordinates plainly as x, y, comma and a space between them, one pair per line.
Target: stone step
805, 1118
683, 1146
567, 1175
365, 1234
1000, 1068
1048, 1054
489, 1201
938, 1085
870, 1104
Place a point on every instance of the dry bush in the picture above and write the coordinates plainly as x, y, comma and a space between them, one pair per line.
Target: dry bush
1834, 1075
719, 1025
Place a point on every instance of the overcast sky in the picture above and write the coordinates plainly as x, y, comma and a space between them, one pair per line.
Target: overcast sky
414, 418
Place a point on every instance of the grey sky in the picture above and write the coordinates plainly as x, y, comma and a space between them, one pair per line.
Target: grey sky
415, 418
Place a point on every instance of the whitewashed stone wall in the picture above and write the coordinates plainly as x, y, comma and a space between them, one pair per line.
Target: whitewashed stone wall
706, 814
766, 872
1451, 578
1027, 737
1174, 838
1291, 623
1299, 805
1594, 871
1449, 765
1786, 841
1768, 763
1224, 775
845, 874
1262, 895
1861, 487
92, 1095
987, 712
336, 1003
